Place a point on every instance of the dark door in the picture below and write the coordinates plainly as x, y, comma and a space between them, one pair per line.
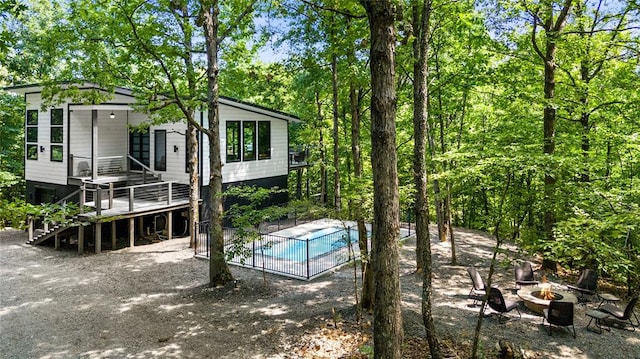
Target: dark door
139, 148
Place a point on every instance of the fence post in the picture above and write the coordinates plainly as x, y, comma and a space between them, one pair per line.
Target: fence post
308, 271
169, 195
196, 238
253, 251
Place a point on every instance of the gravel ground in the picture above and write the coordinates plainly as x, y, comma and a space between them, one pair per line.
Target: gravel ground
153, 301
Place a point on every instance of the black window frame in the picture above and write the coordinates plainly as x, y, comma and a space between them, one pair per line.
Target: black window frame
56, 135
249, 140
31, 135
233, 141
264, 140
159, 152
57, 153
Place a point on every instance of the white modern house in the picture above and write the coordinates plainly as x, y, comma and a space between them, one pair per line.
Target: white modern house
132, 179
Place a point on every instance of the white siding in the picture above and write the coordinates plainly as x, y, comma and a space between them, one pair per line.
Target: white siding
277, 165
80, 140
176, 165
43, 169
113, 137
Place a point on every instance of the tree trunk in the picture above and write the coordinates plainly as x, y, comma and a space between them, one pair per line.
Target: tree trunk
219, 273
388, 331
421, 21
336, 140
365, 257
553, 30
323, 167
194, 182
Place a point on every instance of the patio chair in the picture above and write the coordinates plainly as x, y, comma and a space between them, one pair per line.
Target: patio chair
622, 315
84, 170
560, 314
524, 275
497, 302
586, 285
477, 291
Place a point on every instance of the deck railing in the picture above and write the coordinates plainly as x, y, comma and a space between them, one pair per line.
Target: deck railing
132, 198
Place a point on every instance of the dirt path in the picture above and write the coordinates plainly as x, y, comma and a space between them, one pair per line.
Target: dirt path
152, 301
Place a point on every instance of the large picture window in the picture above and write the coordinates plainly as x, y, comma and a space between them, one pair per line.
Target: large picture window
264, 140
253, 137
57, 134
160, 150
233, 141
249, 141
31, 134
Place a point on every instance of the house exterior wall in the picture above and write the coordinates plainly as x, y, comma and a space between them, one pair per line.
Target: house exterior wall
113, 140
241, 171
43, 169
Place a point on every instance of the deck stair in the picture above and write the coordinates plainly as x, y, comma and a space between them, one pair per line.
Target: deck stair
48, 231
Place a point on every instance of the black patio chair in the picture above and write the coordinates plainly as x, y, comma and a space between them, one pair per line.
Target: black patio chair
524, 275
477, 291
586, 285
497, 302
622, 315
560, 314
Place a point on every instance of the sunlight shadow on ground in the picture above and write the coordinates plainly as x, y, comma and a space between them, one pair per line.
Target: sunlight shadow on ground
141, 300
27, 305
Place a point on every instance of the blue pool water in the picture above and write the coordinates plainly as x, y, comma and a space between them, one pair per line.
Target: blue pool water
319, 242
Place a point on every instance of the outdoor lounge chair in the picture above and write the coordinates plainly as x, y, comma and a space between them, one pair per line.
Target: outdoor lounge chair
622, 315
586, 285
478, 291
560, 314
524, 275
497, 302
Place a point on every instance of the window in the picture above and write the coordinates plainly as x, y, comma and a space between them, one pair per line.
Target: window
264, 140
32, 134
249, 141
57, 134
233, 141
160, 150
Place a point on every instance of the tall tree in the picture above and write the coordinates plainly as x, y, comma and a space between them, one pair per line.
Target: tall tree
388, 331
553, 22
421, 24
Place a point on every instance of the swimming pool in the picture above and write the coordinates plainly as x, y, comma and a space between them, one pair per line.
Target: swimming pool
310, 245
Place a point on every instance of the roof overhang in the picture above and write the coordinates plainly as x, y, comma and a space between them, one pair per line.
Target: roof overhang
37, 88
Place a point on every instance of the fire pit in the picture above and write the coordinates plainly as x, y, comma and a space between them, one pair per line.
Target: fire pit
539, 297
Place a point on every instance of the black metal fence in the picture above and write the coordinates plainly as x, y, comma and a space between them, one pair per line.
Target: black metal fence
301, 258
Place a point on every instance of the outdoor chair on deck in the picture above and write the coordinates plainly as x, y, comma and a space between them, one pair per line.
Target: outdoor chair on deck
622, 315
83, 169
477, 291
560, 314
524, 275
497, 302
586, 285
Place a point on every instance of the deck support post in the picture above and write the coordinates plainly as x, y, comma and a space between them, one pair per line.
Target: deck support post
169, 224
80, 239
56, 245
30, 229
114, 241
141, 226
98, 237
132, 230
